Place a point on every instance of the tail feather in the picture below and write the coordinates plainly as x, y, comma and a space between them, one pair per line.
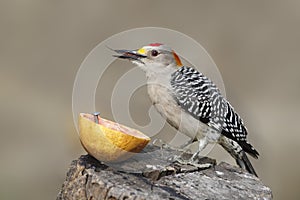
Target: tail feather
237, 152
245, 163
248, 148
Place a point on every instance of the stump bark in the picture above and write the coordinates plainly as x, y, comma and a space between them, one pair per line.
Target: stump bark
87, 178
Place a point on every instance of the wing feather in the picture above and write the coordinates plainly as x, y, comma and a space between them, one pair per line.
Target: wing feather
201, 98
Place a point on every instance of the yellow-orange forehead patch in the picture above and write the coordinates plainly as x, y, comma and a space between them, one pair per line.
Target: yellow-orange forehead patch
177, 59
142, 51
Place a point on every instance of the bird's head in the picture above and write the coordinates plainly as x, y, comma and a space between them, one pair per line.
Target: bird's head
154, 56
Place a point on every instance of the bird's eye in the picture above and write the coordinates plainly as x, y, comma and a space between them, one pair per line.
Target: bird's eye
154, 53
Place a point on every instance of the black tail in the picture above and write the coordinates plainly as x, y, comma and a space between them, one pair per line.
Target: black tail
237, 152
245, 163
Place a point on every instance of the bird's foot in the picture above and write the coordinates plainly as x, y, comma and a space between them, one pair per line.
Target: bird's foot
195, 160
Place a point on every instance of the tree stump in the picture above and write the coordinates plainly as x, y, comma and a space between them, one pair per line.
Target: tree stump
88, 178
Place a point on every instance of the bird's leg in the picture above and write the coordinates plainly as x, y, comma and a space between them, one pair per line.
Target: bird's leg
194, 159
184, 157
202, 144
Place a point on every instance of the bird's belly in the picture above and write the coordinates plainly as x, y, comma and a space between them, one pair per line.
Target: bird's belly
167, 106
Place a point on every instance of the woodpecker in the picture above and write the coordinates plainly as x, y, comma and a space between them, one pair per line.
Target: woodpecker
191, 102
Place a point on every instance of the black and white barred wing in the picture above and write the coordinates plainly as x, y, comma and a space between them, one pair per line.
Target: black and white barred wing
198, 96
201, 98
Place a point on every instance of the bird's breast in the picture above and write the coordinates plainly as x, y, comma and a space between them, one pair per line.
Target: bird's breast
163, 100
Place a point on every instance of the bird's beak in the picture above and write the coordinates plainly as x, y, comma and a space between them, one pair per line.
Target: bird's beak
133, 55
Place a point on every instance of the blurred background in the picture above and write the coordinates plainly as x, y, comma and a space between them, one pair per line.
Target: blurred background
255, 44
